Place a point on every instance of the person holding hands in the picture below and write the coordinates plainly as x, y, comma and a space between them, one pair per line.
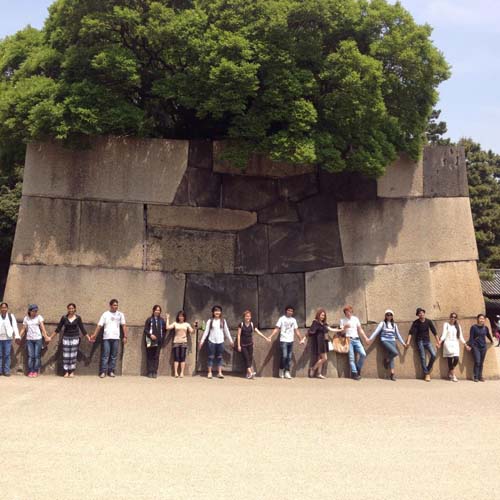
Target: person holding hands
352, 328
245, 341
420, 329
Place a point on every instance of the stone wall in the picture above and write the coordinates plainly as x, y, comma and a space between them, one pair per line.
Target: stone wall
168, 222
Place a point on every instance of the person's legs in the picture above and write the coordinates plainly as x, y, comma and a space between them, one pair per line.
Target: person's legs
105, 351
358, 348
432, 353
247, 357
37, 355
352, 359
113, 356
2, 349
156, 359
481, 362
211, 357
219, 351
391, 351
149, 360
5, 348
476, 352
30, 349
289, 352
183, 353
421, 352
283, 354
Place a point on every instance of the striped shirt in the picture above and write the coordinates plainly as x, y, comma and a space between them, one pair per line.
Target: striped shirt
388, 332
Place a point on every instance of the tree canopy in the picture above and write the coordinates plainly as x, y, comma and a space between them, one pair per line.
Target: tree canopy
345, 84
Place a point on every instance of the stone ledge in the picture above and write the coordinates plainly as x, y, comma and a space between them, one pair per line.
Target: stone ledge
404, 178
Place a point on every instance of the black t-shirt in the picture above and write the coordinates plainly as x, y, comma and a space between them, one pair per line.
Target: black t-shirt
246, 334
421, 329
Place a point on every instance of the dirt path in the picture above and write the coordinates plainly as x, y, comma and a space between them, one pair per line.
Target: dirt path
265, 439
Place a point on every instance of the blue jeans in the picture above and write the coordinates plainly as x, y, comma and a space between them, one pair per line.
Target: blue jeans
355, 346
109, 355
286, 349
215, 352
5, 346
391, 351
34, 348
425, 345
479, 354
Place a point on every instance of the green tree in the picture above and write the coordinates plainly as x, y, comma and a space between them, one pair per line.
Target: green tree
483, 170
436, 129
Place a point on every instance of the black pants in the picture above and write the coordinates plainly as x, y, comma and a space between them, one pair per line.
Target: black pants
247, 351
180, 353
479, 355
152, 359
452, 362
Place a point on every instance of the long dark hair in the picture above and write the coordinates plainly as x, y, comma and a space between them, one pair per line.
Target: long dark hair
179, 314
457, 324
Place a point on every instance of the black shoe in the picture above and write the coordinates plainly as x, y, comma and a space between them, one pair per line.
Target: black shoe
482, 379
6, 374
154, 375
476, 380
392, 377
356, 377
149, 375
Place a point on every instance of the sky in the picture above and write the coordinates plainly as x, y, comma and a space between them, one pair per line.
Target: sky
466, 31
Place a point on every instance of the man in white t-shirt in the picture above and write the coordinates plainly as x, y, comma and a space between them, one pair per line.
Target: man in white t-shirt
112, 322
8, 331
288, 327
352, 330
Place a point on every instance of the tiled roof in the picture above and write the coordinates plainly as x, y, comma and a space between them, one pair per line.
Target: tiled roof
492, 288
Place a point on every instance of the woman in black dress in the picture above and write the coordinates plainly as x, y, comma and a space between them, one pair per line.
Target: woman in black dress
245, 341
318, 335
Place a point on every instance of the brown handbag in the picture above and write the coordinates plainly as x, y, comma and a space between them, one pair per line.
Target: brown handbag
341, 344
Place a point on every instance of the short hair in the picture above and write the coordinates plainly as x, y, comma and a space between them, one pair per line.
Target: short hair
289, 307
71, 304
247, 312
4, 304
480, 316
348, 307
113, 301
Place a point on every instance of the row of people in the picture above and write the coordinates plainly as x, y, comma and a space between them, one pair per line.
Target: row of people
113, 326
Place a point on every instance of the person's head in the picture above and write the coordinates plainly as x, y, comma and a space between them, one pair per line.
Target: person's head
247, 316
156, 310
181, 317
32, 310
420, 312
481, 318
320, 315
289, 310
4, 307
71, 308
113, 305
389, 316
453, 318
348, 310
216, 312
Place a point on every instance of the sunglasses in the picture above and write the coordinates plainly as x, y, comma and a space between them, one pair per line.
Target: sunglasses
453, 317
389, 314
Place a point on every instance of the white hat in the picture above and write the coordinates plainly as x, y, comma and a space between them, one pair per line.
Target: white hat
389, 311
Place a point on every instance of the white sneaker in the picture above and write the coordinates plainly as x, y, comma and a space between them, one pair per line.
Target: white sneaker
287, 375
454, 379
282, 373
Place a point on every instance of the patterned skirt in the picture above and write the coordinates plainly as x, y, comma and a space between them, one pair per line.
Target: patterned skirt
70, 352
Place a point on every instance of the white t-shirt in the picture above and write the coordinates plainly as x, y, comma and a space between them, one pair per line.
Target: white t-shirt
288, 327
352, 326
111, 323
32, 325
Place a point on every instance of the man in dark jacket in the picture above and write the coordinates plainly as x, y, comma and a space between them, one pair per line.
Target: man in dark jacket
420, 328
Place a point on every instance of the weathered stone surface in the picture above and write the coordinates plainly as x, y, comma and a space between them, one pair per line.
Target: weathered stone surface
332, 289
199, 188
200, 153
401, 287
91, 289
322, 207
413, 230
257, 166
72, 232
298, 187
404, 178
276, 291
252, 250
445, 172
304, 247
456, 288
246, 193
234, 293
348, 186
281, 211
203, 218
183, 250
114, 168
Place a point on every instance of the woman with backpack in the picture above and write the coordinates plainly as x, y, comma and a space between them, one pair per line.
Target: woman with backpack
34, 328
181, 329
215, 331
8, 330
155, 330
72, 326
451, 337
245, 341
389, 333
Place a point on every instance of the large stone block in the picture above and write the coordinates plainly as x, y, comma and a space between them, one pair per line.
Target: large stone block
72, 232
332, 289
348, 186
404, 178
182, 250
456, 288
203, 218
246, 193
199, 188
445, 172
234, 293
252, 250
318, 208
412, 230
281, 211
200, 154
111, 168
52, 287
298, 187
257, 166
276, 291
304, 247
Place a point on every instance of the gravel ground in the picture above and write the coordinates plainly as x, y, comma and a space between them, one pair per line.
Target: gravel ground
133, 437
